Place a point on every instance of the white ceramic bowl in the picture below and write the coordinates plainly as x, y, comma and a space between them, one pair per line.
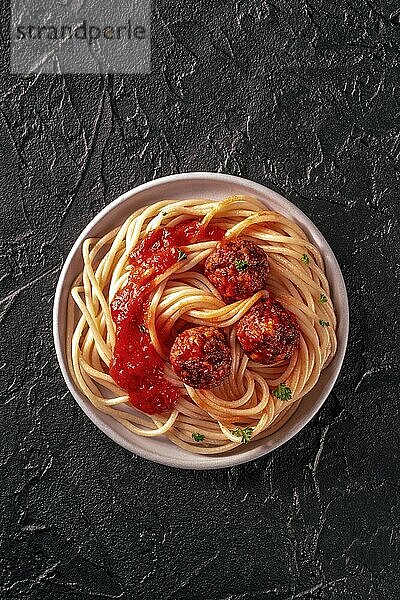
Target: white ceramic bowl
207, 185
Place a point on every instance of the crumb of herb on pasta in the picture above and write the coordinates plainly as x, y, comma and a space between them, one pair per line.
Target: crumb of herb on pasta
283, 392
244, 433
181, 255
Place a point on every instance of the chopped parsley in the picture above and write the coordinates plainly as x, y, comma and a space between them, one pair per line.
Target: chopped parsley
164, 213
198, 437
305, 258
181, 255
241, 265
244, 433
143, 328
323, 323
283, 392
323, 298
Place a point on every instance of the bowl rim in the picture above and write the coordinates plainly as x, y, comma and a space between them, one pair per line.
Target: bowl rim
197, 461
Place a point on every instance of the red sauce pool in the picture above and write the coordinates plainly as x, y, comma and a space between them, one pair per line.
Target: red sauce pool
136, 366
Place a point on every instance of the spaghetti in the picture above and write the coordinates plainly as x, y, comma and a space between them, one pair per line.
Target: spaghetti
144, 281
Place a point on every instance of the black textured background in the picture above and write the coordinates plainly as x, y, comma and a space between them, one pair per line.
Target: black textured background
302, 96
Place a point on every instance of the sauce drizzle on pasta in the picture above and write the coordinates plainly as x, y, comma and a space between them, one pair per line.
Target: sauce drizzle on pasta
136, 366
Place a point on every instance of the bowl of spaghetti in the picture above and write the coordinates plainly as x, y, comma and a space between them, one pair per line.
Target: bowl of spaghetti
200, 320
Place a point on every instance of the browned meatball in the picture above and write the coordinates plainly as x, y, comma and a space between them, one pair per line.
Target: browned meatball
201, 357
238, 269
268, 332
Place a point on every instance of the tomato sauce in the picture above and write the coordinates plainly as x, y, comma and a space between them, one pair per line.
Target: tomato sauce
135, 365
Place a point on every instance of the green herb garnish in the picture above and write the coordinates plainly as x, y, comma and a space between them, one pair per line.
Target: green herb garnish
143, 328
164, 213
323, 323
323, 298
241, 265
283, 392
198, 437
181, 255
305, 258
244, 433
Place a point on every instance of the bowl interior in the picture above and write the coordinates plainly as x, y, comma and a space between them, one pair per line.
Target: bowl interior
199, 185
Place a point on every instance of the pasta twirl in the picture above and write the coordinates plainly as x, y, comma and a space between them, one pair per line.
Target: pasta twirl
213, 420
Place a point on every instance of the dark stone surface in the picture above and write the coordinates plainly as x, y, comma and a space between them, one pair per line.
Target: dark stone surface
304, 97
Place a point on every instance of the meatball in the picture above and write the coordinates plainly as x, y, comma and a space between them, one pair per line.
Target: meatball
268, 332
201, 357
238, 269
